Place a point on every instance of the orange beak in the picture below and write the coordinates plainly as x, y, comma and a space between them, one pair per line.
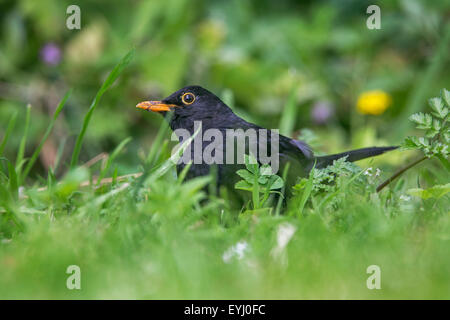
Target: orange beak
155, 106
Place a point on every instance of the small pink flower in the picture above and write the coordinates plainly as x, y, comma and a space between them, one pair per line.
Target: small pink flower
321, 112
51, 54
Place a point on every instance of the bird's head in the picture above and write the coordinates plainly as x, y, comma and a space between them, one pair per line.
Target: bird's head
190, 103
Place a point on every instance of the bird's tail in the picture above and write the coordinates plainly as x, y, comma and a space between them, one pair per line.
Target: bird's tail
352, 155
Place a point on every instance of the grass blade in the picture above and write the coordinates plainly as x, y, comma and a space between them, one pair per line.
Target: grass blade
283, 190
306, 192
111, 158
47, 133
156, 145
12, 180
23, 142
174, 158
11, 124
114, 74
289, 115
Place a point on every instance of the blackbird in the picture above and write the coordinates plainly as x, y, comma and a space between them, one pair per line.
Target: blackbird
194, 104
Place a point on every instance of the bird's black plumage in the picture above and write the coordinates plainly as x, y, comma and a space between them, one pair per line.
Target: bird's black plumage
194, 103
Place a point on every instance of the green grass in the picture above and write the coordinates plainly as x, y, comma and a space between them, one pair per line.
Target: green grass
165, 245
165, 241
112, 77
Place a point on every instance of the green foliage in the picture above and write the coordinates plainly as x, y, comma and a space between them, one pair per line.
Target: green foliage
20, 154
11, 124
436, 192
157, 236
260, 181
436, 141
289, 115
36, 153
328, 179
111, 158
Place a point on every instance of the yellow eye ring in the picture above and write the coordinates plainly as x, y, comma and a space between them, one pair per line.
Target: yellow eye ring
188, 98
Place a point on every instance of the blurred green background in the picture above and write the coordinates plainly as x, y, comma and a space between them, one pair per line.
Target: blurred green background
256, 55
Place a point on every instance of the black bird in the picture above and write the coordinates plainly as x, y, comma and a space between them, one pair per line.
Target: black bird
194, 103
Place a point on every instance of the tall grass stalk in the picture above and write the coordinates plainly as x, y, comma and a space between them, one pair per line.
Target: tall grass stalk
9, 129
45, 137
23, 143
114, 74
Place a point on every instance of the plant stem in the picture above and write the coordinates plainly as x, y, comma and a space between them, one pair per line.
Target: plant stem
399, 173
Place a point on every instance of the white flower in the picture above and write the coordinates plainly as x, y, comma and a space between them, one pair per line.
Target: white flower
368, 172
284, 234
21, 192
405, 197
238, 251
377, 172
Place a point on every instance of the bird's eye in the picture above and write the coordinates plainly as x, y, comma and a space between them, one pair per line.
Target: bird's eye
188, 98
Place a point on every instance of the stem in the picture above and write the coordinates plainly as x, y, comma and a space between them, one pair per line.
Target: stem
399, 173
256, 193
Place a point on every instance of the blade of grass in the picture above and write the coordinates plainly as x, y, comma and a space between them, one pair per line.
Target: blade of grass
47, 133
11, 124
184, 172
173, 160
23, 142
111, 158
59, 154
13, 185
255, 193
306, 192
283, 190
114, 74
152, 155
289, 114
12, 181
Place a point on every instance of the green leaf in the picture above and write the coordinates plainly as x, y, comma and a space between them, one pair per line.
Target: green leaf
251, 163
307, 189
108, 82
243, 185
422, 120
445, 94
275, 182
435, 192
263, 179
438, 107
444, 162
434, 130
410, 143
246, 175
71, 182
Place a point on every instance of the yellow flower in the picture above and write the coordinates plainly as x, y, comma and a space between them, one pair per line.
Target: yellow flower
373, 102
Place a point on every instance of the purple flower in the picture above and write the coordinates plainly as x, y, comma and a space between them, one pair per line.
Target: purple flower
321, 112
51, 54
